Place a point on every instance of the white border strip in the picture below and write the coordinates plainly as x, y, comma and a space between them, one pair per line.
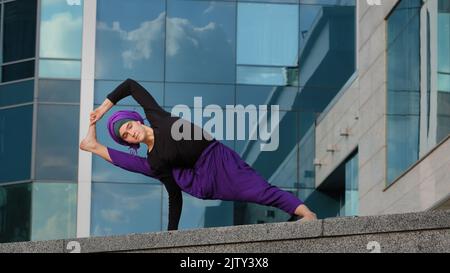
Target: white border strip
86, 106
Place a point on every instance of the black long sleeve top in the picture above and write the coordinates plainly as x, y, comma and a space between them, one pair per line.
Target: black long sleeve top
167, 153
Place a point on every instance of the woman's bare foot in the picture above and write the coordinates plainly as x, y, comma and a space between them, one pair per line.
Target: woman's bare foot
89, 143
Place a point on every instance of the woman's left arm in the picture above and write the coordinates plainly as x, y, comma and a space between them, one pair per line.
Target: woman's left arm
130, 162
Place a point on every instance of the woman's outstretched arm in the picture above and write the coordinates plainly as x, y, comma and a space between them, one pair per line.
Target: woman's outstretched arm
152, 109
123, 160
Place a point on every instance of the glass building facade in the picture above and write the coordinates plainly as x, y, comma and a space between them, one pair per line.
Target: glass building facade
297, 54
39, 118
418, 100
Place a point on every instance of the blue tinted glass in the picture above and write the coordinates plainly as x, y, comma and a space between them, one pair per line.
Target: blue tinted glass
267, 34
403, 83
315, 99
125, 208
211, 94
444, 38
402, 151
267, 75
200, 41
406, 103
443, 100
57, 142
59, 69
199, 213
15, 143
307, 145
327, 43
271, 1
103, 88
17, 71
61, 28
59, 91
15, 213
279, 167
443, 116
401, 17
15, 93
54, 211
351, 207
131, 43
103, 171
267, 44
19, 30
444, 82
285, 97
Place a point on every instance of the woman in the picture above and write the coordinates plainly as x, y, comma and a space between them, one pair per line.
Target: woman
204, 168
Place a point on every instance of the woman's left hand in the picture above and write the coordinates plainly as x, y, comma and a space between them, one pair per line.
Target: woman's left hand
96, 115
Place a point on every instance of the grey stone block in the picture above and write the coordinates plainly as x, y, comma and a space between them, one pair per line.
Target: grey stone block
413, 232
425, 241
386, 223
56, 246
200, 237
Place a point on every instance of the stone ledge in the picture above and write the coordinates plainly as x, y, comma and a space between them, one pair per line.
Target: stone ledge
412, 232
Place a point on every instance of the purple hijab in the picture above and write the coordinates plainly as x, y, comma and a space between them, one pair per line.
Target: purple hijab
119, 115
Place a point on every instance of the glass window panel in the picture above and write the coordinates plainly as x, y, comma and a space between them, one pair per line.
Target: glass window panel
15, 93
61, 29
103, 88
57, 142
284, 97
403, 83
59, 69
307, 145
402, 151
130, 44
351, 206
211, 94
444, 82
327, 43
315, 99
279, 167
19, 30
444, 37
103, 171
401, 18
267, 34
443, 116
18, 71
272, 1
125, 208
404, 103
198, 213
59, 91
15, 143
200, 41
54, 211
267, 75
15, 213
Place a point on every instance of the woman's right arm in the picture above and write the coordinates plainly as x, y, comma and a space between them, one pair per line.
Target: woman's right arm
152, 109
